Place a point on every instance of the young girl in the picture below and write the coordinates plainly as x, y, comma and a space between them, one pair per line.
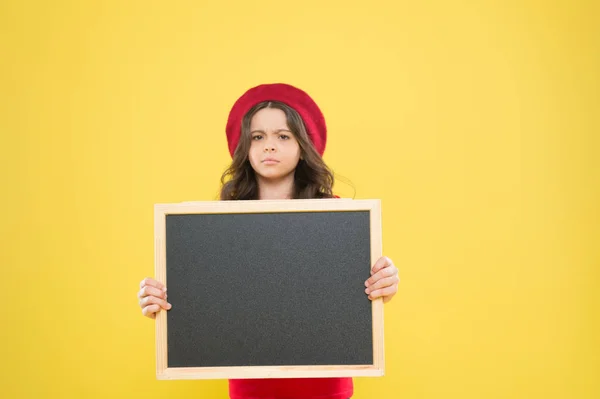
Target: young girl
276, 135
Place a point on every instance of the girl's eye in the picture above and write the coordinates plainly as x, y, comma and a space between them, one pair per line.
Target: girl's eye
257, 137
284, 137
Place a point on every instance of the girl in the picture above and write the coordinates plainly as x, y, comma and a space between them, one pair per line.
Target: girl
276, 135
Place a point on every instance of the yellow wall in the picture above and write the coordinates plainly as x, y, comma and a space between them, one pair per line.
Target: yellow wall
475, 122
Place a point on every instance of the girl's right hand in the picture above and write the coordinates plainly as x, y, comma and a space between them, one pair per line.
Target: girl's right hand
152, 297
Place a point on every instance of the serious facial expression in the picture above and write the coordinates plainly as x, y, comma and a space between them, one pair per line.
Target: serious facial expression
274, 151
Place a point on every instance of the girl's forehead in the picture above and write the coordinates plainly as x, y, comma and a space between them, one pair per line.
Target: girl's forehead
269, 118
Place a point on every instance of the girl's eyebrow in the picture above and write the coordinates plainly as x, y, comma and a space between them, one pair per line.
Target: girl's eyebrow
275, 131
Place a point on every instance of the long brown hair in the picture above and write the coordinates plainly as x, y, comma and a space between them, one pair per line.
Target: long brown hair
312, 177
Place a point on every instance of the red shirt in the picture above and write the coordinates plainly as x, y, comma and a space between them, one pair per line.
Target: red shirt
291, 388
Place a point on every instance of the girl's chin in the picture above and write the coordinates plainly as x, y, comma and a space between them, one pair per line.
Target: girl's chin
272, 176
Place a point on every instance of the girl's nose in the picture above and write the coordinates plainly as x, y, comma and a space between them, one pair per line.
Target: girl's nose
269, 148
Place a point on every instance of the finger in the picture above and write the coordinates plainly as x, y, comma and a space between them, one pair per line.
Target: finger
382, 262
384, 292
150, 311
152, 300
384, 282
148, 281
383, 273
151, 291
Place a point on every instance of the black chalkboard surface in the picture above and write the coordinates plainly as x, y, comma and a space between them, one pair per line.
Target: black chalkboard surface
268, 289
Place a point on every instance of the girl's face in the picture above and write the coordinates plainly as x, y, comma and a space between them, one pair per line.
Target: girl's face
274, 151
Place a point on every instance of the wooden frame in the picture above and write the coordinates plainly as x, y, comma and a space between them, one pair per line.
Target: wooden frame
318, 205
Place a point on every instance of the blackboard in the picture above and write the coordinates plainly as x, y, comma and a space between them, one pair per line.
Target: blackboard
268, 289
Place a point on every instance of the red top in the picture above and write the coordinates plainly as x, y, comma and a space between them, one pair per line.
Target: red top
291, 388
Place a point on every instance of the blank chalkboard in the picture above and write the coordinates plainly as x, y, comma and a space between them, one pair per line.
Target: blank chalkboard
268, 289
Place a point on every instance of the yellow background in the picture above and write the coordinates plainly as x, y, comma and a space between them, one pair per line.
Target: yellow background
475, 122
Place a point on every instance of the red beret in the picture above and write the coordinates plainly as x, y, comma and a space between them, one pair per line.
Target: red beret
289, 95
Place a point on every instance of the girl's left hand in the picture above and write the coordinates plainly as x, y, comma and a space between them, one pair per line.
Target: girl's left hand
383, 281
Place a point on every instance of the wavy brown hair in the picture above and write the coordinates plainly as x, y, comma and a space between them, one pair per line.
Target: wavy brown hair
312, 177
